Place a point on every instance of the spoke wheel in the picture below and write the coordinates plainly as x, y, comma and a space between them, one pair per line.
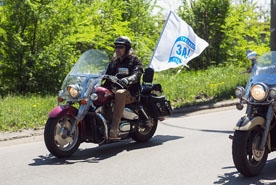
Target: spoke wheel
248, 159
57, 139
145, 132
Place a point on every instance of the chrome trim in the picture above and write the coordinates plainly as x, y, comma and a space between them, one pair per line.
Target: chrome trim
84, 87
73, 127
129, 114
124, 127
269, 117
257, 103
105, 125
145, 114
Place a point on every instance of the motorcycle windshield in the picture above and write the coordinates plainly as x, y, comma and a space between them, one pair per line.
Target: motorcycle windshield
264, 70
86, 73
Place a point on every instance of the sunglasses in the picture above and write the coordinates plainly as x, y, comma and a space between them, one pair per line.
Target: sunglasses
119, 47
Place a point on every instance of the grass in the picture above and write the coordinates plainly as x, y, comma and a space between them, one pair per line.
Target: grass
189, 87
22, 112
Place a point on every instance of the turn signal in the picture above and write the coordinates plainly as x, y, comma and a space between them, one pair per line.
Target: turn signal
83, 101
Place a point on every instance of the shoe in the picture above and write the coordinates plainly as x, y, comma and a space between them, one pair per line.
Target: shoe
113, 136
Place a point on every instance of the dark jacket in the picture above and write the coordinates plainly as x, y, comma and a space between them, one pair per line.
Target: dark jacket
135, 71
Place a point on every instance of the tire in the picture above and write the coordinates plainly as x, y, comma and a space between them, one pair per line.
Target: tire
145, 133
248, 161
56, 139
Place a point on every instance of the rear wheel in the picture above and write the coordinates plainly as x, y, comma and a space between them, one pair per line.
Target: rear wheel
248, 159
57, 139
145, 132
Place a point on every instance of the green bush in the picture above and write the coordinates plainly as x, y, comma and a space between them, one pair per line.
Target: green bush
191, 87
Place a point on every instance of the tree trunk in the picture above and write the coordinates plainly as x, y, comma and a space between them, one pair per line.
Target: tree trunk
273, 26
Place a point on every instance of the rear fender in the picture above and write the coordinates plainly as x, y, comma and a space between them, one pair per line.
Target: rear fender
247, 123
62, 111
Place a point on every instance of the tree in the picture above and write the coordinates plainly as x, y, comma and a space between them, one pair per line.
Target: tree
207, 17
41, 39
244, 31
230, 29
273, 26
38, 43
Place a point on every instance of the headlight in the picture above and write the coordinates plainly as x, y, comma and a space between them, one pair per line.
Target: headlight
259, 92
239, 92
73, 90
272, 92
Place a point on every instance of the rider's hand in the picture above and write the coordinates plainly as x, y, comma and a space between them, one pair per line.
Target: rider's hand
124, 82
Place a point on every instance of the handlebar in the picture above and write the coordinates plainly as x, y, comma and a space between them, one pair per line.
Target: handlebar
115, 80
247, 71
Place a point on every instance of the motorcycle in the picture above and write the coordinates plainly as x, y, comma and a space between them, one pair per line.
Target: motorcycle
255, 132
85, 106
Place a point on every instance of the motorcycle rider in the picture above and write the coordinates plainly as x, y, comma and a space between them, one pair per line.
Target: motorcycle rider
127, 67
252, 56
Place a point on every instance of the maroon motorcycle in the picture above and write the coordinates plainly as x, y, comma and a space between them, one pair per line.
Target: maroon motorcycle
85, 108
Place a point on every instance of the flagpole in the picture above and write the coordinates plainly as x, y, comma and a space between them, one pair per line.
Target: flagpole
159, 38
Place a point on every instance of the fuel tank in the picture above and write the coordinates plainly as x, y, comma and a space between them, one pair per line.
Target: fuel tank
104, 96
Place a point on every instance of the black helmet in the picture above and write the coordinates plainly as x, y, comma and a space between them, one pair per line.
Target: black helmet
123, 40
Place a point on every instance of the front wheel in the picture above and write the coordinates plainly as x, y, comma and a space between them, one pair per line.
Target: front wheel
57, 139
145, 133
248, 159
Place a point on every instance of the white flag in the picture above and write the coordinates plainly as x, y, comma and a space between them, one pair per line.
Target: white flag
177, 45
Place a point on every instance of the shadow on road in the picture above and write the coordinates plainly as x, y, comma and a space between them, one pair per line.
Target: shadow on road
97, 154
267, 177
202, 130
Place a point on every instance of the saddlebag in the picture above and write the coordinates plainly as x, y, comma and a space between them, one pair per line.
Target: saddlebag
156, 106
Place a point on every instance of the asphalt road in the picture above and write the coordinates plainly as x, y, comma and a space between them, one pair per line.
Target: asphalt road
187, 149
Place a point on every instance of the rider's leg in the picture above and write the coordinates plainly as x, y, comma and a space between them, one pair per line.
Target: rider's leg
122, 97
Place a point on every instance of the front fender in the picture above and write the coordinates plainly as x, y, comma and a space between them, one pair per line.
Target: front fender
62, 111
247, 123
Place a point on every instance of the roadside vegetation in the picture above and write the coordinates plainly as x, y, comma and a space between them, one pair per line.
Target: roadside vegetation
41, 40
29, 111
192, 87
189, 87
